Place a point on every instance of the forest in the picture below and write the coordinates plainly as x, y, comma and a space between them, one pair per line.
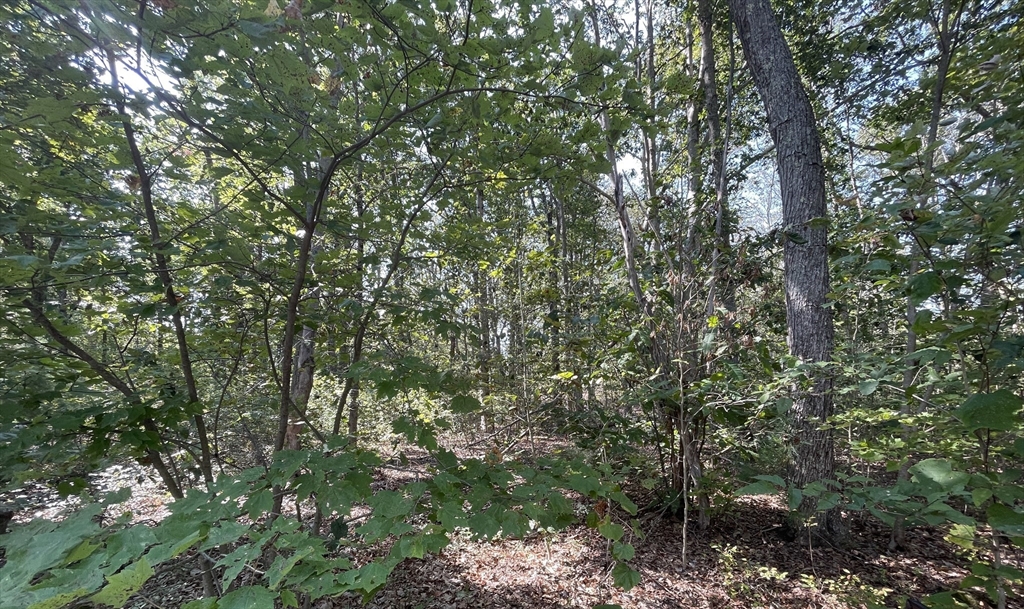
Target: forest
511, 303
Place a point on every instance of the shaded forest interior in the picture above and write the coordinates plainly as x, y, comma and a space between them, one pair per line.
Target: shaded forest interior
463, 303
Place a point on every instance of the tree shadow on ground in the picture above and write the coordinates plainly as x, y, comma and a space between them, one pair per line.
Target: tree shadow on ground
740, 561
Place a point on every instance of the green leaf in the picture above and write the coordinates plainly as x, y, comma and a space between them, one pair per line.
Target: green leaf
624, 501
288, 599
286, 463
435, 120
514, 524
585, 485
545, 23
484, 525
60, 600
390, 504
961, 535
776, 480
923, 286
937, 475
794, 498
996, 411
1006, 519
611, 530
465, 404
201, 603
282, 566
783, 405
372, 576
624, 576
236, 561
623, 551
259, 503
867, 387
411, 547
122, 585
944, 600
83, 551
247, 597
228, 531
878, 264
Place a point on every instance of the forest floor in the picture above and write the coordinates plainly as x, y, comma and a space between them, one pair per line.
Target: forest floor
739, 561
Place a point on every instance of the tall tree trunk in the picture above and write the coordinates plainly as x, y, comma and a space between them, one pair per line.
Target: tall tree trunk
802, 180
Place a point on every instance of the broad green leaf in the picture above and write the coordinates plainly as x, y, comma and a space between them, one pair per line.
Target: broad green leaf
390, 504
283, 565
1006, 519
776, 480
624, 576
997, 411
878, 264
944, 600
288, 599
794, 497
937, 475
56, 601
867, 387
611, 530
624, 501
484, 525
236, 561
259, 503
228, 531
465, 404
411, 547
128, 544
84, 550
924, 285
584, 484
247, 597
372, 576
623, 551
783, 405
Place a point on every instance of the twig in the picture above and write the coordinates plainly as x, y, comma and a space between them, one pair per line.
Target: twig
149, 600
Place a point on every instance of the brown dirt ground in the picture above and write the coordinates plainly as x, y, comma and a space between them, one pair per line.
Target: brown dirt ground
740, 561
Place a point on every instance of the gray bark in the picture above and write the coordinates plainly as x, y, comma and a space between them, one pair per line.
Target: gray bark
802, 179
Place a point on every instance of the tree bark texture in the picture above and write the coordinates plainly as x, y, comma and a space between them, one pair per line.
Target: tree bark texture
802, 180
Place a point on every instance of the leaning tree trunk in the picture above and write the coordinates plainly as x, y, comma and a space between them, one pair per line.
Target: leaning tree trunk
802, 179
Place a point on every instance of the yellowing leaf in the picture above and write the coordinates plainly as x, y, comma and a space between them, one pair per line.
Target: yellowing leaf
124, 584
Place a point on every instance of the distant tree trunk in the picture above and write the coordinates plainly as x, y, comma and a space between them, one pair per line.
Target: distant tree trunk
302, 387
802, 180
718, 294
484, 330
947, 34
